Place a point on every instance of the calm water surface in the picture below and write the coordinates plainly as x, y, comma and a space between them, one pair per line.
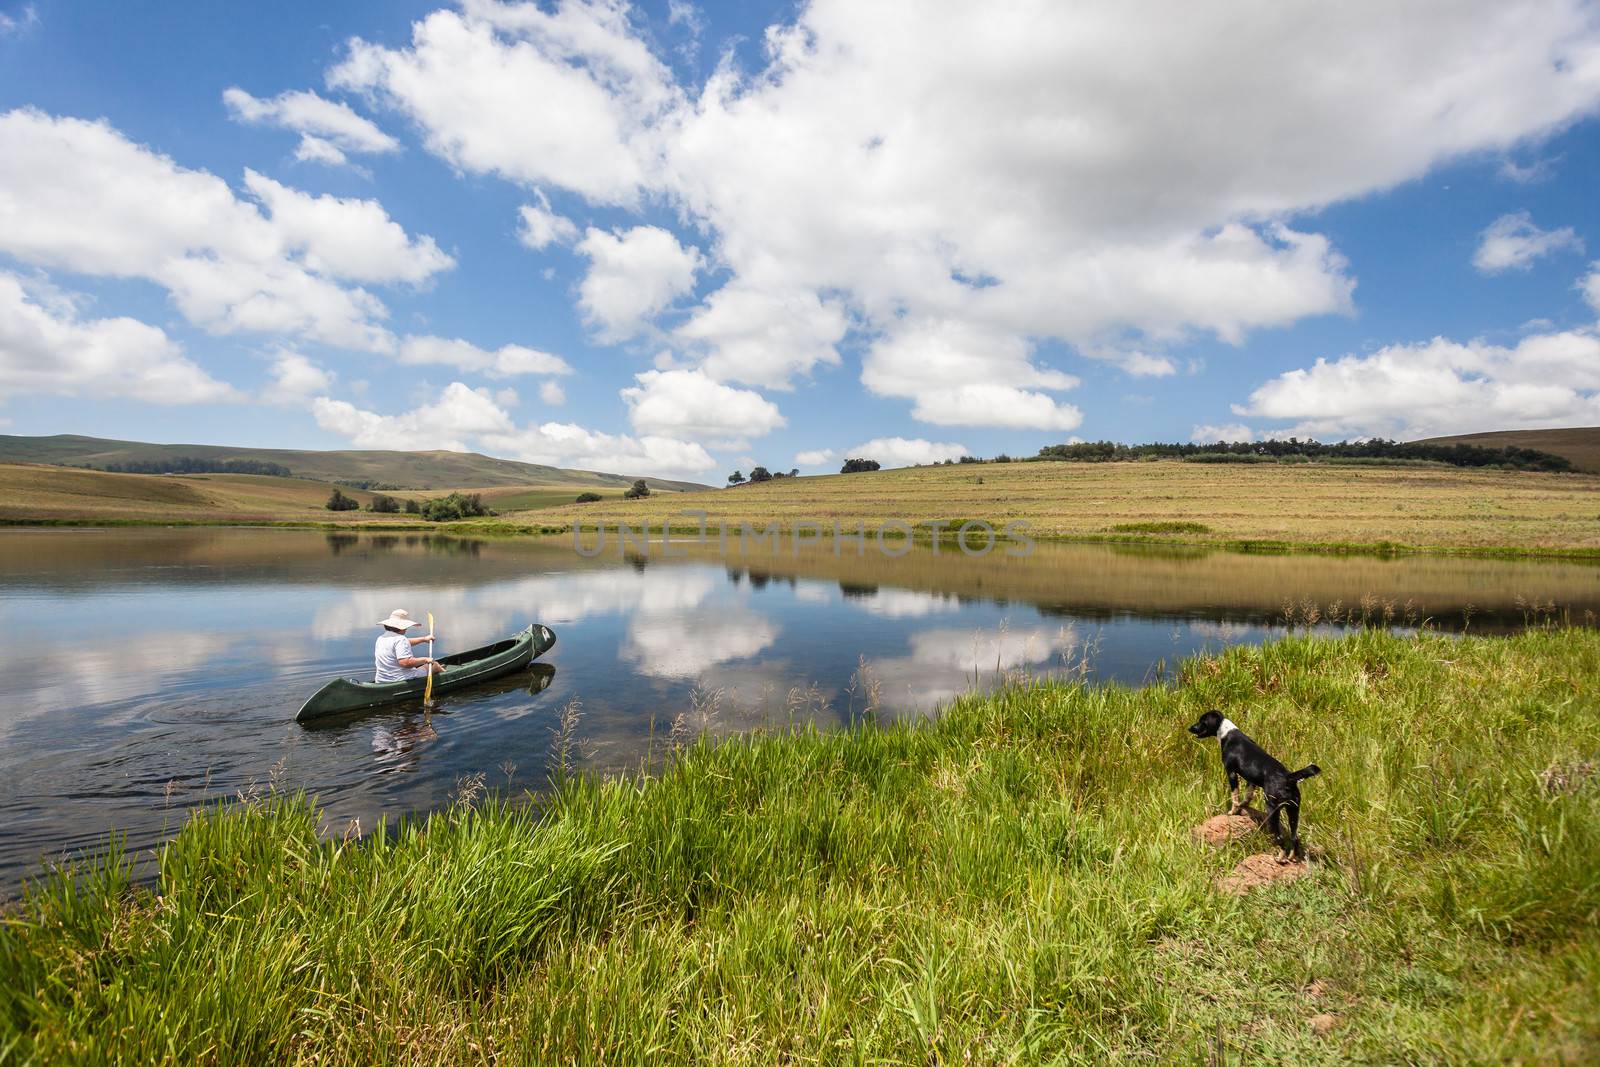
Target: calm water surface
152, 670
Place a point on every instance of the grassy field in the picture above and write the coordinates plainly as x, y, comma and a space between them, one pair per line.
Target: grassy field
1014, 882
1296, 504
1237, 505
65, 494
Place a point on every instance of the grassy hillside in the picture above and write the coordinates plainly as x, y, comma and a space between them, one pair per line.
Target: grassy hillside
1014, 882
416, 470
1580, 444
30, 491
33, 492
1305, 504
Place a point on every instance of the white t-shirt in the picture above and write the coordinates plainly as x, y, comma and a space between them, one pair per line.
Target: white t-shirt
388, 653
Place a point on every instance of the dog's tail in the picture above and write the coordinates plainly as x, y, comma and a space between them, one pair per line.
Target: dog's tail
1310, 770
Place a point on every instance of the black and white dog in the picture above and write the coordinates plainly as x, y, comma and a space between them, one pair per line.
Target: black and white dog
1243, 758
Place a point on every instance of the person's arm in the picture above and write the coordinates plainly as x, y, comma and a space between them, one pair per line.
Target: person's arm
424, 639
415, 661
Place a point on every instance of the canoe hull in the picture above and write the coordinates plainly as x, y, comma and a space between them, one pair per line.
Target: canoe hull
343, 695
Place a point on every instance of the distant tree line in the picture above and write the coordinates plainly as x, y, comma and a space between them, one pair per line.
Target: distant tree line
440, 509
196, 465
1377, 448
760, 474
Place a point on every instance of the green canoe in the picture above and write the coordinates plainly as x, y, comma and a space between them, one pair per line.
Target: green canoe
464, 668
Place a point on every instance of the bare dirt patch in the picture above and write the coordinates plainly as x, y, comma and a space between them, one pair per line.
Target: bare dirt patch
1220, 830
1261, 869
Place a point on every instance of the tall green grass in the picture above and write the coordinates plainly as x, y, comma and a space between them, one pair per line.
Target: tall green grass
1013, 883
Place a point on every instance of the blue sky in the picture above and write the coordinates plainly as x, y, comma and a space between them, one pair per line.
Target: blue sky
781, 233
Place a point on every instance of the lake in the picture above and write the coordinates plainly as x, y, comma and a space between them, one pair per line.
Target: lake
150, 670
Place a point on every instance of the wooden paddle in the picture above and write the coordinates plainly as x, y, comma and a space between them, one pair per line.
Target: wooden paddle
427, 694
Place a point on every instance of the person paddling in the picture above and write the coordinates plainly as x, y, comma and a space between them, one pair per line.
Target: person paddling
392, 653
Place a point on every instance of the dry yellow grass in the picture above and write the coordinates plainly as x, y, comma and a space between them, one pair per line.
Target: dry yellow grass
66, 494
35, 492
1304, 504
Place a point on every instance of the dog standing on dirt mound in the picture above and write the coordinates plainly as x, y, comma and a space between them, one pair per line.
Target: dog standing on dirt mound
1243, 758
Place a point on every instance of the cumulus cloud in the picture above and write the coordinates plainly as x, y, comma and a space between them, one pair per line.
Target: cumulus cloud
688, 403
463, 419
507, 361
1027, 171
346, 238
961, 374
47, 347
764, 337
904, 452
542, 227
816, 457
459, 414
1207, 433
327, 129
551, 393
567, 444
295, 380
1513, 242
1589, 285
80, 196
559, 98
632, 276
1440, 387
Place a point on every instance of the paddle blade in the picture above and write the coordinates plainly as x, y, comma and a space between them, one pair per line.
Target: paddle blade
427, 695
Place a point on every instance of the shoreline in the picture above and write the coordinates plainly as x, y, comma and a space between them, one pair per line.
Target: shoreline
500, 528
1017, 873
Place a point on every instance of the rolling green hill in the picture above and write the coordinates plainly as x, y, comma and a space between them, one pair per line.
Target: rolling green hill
410, 470
1580, 444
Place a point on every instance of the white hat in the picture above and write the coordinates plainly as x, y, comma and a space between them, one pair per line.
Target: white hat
400, 619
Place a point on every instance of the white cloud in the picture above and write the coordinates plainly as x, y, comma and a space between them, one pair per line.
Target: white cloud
46, 347
961, 374
1513, 242
1027, 171
816, 457
508, 361
551, 393
1440, 387
306, 112
542, 227
459, 414
80, 196
295, 380
1536, 171
763, 337
327, 129
353, 239
561, 98
904, 452
688, 403
567, 444
1207, 433
316, 150
464, 419
1590, 286
632, 277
